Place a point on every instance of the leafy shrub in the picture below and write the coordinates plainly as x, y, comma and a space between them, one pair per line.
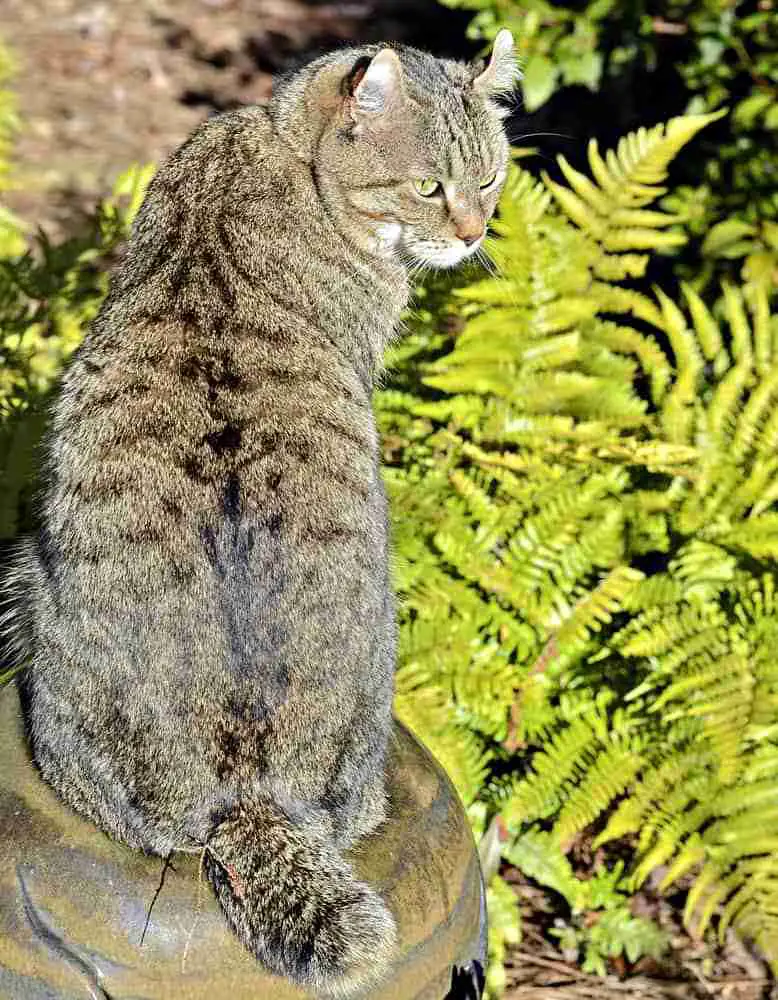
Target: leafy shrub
584, 485
652, 61
48, 295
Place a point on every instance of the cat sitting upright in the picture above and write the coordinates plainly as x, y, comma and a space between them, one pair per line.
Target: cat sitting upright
206, 609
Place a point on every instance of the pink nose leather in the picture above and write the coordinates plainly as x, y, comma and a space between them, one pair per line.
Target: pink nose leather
469, 230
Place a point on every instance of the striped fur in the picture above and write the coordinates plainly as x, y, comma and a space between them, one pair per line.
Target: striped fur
207, 606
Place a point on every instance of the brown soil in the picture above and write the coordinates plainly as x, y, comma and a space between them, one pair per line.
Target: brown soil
105, 83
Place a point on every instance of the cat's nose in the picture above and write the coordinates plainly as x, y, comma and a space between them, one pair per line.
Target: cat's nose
470, 231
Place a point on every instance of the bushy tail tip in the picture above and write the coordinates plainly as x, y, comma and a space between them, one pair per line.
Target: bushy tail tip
296, 904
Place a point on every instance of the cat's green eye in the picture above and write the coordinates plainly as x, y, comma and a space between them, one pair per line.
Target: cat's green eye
489, 181
427, 186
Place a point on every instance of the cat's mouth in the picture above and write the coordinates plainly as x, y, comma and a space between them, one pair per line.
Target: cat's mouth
437, 253
393, 238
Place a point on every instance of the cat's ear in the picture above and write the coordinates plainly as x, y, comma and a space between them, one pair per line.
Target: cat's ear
377, 87
502, 72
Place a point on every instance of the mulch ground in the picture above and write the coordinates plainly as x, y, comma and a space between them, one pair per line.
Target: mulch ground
690, 970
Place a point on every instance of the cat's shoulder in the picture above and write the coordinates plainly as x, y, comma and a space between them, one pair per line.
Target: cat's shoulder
242, 136
242, 129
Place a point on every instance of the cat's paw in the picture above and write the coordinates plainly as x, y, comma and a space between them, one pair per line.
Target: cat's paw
372, 812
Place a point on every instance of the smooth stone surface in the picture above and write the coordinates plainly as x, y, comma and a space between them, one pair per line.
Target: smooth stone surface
73, 902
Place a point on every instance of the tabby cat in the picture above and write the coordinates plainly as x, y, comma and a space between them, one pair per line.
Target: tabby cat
206, 610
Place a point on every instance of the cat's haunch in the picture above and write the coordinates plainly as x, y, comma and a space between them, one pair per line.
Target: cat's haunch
207, 609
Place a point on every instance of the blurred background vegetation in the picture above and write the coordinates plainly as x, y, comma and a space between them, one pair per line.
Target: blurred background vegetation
581, 448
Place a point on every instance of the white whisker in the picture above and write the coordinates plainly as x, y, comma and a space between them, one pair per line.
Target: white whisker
538, 135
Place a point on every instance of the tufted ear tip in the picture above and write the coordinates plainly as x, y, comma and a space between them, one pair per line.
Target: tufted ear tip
502, 72
503, 43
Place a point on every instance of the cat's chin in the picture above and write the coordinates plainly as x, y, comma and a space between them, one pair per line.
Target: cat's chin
443, 257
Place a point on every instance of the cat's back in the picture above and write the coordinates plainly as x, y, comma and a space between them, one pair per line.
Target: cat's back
214, 447
221, 335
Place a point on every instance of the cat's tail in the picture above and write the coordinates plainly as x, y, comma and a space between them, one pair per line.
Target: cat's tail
295, 903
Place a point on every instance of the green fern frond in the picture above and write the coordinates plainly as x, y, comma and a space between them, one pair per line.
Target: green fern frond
536, 854
639, 701
613, 211
607, 777
567, 752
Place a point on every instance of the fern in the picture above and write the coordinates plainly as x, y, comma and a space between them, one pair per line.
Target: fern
604, 896
590, 480
504, 931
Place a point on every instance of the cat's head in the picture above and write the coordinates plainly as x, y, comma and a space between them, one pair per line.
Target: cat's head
409, 151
